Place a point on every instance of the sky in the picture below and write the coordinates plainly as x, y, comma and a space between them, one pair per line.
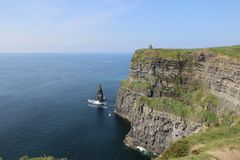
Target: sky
116, 25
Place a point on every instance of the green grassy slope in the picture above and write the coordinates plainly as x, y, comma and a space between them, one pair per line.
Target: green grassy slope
213, 139
233, 51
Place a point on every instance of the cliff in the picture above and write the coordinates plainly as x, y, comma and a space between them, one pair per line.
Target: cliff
173, 93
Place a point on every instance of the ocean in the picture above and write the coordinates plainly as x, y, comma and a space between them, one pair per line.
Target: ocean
44, 109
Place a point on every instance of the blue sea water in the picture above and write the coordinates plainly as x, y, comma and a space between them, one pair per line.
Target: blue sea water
44, 109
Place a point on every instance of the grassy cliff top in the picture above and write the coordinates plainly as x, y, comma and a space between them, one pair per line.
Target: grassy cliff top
233, 51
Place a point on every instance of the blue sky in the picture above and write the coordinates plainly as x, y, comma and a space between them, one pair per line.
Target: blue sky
116, 25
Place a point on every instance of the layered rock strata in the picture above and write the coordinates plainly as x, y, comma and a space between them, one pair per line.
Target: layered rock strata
166, 75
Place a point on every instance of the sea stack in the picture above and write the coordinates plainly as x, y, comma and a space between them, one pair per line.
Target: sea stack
100, 96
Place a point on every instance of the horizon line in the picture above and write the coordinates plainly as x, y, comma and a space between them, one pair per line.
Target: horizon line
110, 52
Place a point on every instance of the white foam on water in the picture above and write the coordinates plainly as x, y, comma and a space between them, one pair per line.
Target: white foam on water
145, 152
96, 103
141, 149
97, 106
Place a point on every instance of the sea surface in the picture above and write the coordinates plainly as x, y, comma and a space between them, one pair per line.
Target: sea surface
44, 108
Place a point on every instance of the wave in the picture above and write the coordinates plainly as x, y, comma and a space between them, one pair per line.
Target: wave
141, 149
145, 151
96, 103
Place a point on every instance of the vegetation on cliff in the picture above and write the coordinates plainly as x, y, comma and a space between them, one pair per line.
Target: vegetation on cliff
229, 51
142, 54
213, 139
135, 85
182, 110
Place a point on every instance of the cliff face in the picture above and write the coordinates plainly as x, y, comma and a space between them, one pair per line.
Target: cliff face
223, 77
150, 128
173, 93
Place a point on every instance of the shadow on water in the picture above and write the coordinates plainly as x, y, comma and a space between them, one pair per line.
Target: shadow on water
122, 123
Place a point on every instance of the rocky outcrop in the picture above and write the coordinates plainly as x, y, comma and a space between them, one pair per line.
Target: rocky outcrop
177, 75
100, 96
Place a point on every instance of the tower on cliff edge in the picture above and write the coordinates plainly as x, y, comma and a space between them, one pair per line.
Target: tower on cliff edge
150, 47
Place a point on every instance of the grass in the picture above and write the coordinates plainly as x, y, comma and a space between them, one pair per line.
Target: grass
178, 149
180, 109
143, 54
210, 100
168, 105
135, 85
201, 156
204, 98
214, 138
229, 51
199, 96
163, 53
